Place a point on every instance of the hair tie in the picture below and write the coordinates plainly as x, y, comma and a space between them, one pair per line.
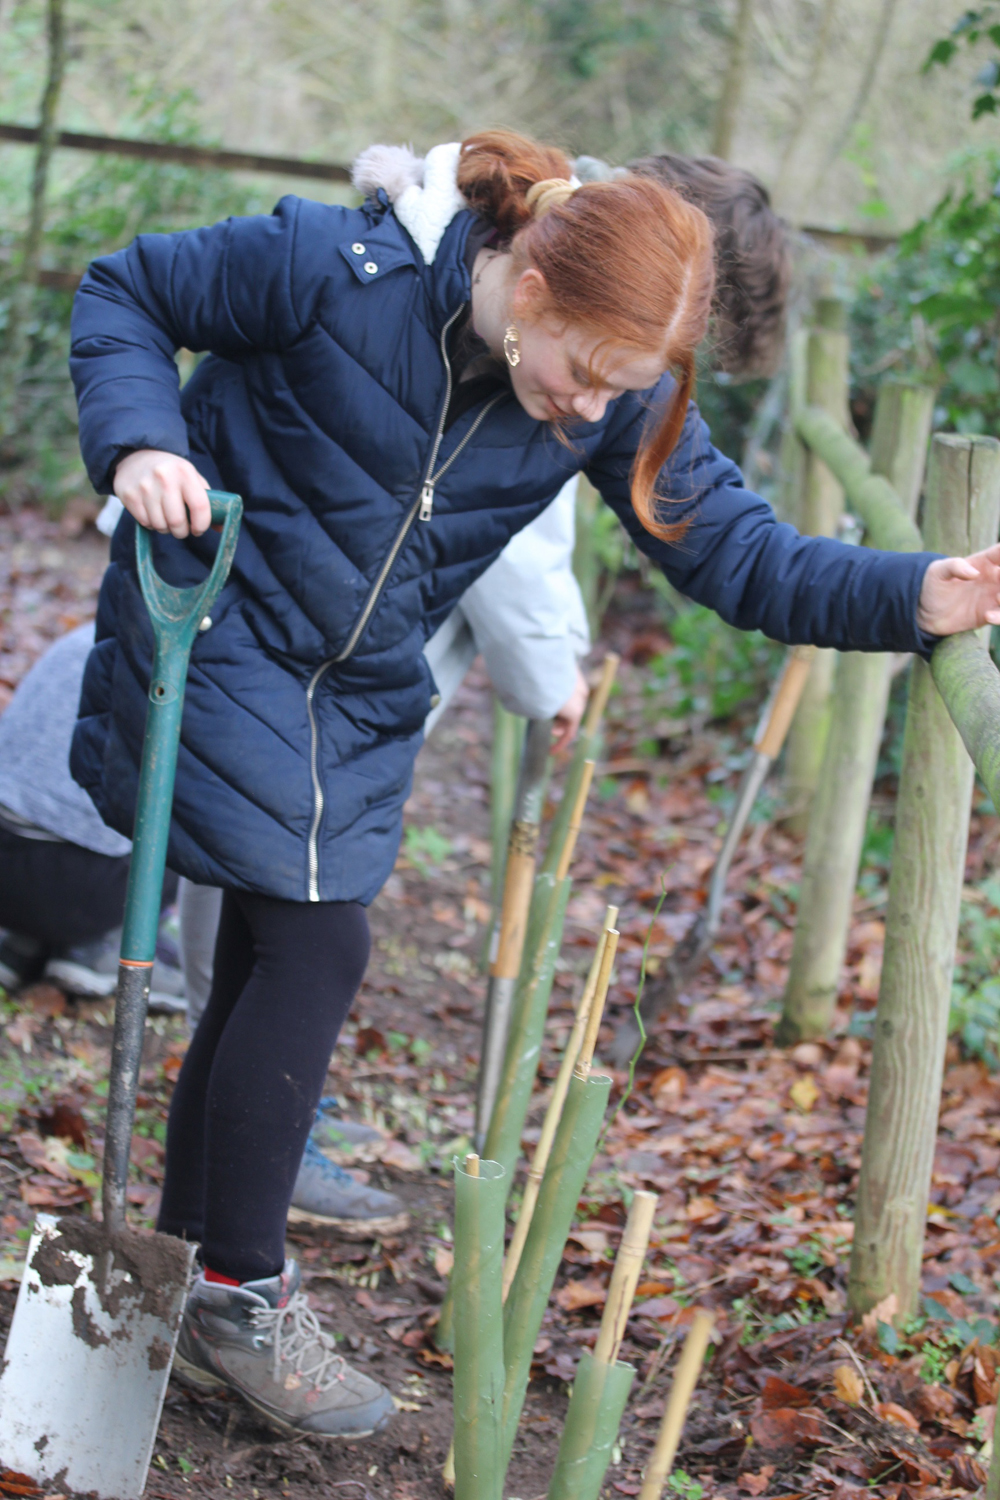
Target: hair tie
549, 193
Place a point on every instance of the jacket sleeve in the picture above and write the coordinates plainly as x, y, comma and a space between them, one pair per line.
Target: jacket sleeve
758, 572
227, 289
527, 615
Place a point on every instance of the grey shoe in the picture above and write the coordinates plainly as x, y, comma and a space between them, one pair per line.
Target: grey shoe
332, 1132
326, 1194
91, 971
262, 1340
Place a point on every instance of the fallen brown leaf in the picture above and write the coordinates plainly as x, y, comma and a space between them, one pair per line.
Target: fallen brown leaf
882, 1312
65, 1121
891, 1411
777, 1393
848, 1384
590, 1292
804, 1093
756, 1484
785, 1428
37, 1153
49, 1192
44, 999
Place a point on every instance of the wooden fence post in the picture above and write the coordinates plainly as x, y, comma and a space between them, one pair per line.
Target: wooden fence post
840, 806
961, 515
826, 386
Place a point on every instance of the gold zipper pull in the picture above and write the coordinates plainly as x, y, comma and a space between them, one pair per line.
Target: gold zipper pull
427, 501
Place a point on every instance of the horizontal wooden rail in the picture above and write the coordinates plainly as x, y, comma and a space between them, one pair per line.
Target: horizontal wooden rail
323, 171
188, 156
869, 496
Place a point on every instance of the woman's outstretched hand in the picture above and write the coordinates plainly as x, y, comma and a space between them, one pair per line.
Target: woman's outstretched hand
161, 490
567, 720
961, 593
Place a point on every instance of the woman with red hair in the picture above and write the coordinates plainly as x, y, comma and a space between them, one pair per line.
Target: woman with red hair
391, 419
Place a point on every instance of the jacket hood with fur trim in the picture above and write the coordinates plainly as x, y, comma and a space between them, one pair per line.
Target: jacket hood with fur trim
421, 189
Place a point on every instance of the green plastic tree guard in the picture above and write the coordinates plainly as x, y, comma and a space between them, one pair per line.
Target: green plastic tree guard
479, 1367
600, 1392
531, 1003
572, 1154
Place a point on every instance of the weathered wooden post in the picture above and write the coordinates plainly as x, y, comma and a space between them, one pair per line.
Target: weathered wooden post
826, 386
793, 455
840, 806
961, 515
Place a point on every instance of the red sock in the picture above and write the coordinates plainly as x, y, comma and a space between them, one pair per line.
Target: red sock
218, 1277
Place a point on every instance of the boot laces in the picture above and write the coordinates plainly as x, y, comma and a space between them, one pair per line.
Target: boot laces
298, 1340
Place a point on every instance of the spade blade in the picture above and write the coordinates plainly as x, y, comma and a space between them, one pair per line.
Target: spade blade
89, 1354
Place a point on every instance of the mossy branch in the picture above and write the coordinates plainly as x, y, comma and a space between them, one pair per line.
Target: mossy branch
869, 496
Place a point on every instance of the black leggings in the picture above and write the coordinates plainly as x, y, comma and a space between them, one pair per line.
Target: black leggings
285, 975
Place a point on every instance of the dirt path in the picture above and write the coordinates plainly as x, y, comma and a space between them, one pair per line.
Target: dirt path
753, 1152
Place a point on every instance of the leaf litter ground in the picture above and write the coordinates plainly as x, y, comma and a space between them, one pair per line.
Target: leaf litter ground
753, 1151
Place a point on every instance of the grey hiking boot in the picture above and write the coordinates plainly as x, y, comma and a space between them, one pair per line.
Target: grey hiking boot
262, 1340
326, 1194
332, 1132
90, 970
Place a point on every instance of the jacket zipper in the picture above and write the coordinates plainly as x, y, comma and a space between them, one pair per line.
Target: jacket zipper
422, 508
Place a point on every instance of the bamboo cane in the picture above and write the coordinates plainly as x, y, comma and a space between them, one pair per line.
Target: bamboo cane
508, 739
585, 748
602, 1383
479, 1367
585, 1057
503, 1141
544, 1147
517, 898
545, 928
685, 1380
625, 1277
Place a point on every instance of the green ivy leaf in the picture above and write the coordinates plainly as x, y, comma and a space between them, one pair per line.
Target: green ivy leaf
888, 1338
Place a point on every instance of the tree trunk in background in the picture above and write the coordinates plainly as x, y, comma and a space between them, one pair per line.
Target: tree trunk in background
807, 98
15, 349
860, 100
840, 808
827, 351
734, 83
961, 515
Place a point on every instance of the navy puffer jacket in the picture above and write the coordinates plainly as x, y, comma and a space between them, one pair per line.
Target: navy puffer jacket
322, 403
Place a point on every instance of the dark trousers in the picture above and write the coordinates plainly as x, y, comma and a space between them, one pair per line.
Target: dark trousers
58, 893
285, 975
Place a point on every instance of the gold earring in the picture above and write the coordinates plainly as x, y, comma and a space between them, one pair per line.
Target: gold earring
512, 346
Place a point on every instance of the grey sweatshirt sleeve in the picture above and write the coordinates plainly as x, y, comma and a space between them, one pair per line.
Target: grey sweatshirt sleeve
35, 733
526, 614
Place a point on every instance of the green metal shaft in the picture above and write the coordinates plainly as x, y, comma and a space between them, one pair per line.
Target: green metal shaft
531, 1002
600, 1393
479, 1367
176, 615
572, 1154
156, 788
